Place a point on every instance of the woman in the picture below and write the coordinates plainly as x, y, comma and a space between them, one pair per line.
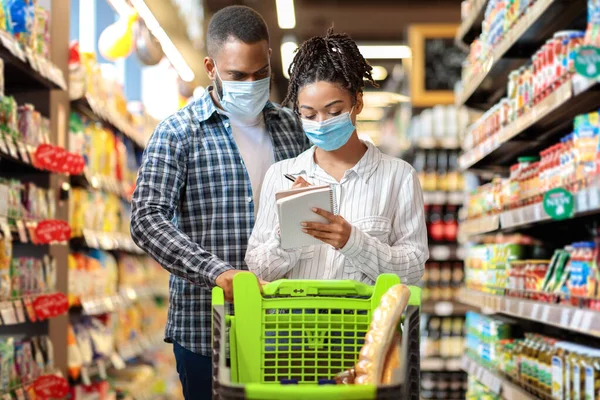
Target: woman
381, 226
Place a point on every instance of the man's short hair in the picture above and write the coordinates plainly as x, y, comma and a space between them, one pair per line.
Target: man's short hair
235, 22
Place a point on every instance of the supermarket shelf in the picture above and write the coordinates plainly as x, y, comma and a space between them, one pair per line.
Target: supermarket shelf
26, 71
434, 364
496, 383
443, 252
102, 183
93, 110
470, 27
98, 305
443, 308
538, 128
586, 203
561, 316
443, 198
540, 22
430, 143
109, 241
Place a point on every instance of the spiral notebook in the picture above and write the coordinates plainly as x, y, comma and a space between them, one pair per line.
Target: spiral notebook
295, 206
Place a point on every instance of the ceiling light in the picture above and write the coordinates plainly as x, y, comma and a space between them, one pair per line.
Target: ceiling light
288, 48
379, 73
173, 55
383, 99
286, 15
384, 52
370, 114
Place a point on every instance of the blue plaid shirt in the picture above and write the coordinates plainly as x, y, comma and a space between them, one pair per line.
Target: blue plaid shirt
193, 210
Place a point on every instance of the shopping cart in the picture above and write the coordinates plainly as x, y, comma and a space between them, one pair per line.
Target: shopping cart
290, 341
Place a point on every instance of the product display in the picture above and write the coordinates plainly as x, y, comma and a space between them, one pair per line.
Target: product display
541, 141
438, 170
441, 280
439, 125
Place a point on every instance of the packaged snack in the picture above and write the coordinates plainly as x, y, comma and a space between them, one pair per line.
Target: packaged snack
7, 351
5, 260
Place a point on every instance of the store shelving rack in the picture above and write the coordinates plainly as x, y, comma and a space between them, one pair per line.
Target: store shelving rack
540, 22
25, 82
538, 128
470, 27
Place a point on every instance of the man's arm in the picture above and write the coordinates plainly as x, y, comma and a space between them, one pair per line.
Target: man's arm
161, 178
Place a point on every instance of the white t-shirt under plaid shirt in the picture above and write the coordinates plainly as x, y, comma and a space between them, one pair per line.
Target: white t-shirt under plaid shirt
382, 199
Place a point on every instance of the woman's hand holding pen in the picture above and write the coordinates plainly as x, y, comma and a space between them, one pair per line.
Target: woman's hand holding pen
300, 183
335, 233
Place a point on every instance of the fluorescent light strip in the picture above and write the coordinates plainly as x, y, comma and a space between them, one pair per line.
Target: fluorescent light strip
286, 15
288, 47
385, 52
173, 55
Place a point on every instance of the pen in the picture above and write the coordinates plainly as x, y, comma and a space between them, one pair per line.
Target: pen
290, 177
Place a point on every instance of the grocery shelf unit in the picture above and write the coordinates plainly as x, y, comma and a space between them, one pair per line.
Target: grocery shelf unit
536, 129
470, 27
27, 81
542, 19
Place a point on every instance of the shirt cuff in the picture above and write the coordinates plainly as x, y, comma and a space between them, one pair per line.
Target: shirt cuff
213, 273
355, 243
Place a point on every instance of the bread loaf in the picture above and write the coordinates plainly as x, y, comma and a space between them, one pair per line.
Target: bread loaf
382, 339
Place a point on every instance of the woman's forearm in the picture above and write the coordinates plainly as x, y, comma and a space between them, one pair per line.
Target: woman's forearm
268, 260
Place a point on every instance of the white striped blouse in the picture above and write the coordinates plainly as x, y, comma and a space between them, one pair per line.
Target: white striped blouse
382, 199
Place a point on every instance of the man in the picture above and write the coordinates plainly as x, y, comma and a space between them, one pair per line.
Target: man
204, 165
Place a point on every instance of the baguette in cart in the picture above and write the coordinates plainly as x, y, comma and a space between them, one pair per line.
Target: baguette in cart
313, 339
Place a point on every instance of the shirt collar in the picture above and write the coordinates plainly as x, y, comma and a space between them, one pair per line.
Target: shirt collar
205, 107
364, 168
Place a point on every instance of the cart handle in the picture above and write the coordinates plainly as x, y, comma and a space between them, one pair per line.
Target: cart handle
303, 288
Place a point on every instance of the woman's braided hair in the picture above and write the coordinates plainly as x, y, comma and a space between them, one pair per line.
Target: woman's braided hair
332, 58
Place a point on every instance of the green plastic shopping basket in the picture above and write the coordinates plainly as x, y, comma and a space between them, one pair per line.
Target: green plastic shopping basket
295, 334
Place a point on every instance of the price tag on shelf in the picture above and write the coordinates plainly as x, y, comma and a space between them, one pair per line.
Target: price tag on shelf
535, 311
586, 321
593, 199
8, 313
19, 311
565, 317
582, 204
545, 314
577, 319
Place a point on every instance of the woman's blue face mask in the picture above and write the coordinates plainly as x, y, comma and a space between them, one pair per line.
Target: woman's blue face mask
330, 134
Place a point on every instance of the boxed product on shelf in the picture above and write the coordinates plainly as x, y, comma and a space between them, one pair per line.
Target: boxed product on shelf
23, 361
28, 201
98, 211
107, 155
487, 265
93, 273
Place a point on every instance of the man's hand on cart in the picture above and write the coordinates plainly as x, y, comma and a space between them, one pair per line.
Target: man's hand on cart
225, 282
336, 233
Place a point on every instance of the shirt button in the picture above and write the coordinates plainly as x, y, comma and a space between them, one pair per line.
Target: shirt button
226, 124
249, 199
